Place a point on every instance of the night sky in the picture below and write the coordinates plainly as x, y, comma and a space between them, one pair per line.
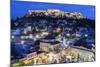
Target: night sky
20, 8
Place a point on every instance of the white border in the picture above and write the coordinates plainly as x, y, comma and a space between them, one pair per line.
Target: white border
82, 2
4, 33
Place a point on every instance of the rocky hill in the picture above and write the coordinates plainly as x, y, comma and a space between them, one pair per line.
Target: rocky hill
52, 18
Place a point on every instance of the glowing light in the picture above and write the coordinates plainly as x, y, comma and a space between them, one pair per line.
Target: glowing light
86, 35
30, 36
22, 37
68, 34
29, 28
37, 36
22, 41
12, 36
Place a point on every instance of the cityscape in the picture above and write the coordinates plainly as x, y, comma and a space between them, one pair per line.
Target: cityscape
46, 33
50, 37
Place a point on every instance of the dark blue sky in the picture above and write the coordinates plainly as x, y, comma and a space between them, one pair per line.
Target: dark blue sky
19, 9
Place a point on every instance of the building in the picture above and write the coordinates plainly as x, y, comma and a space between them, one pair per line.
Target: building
49, 43
54, 13
29, 58
49, 46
